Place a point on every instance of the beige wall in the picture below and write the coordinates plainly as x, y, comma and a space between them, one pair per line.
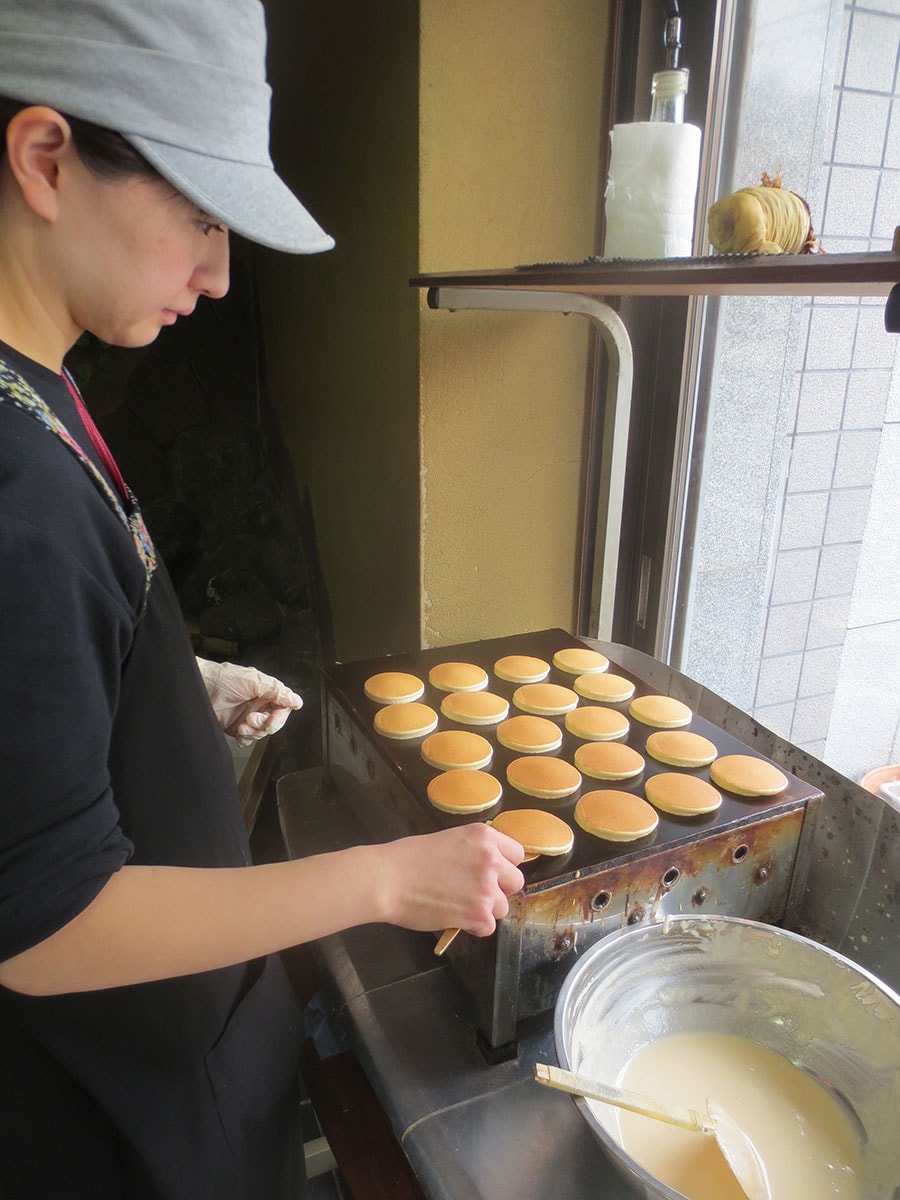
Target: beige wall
510, 130
442, 451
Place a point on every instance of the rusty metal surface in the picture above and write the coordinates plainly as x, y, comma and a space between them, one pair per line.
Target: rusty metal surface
739, 872
745, 871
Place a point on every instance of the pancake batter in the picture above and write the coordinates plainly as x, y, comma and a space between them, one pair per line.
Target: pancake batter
804, 1136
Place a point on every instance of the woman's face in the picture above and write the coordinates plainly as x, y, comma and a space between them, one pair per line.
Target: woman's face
135, 255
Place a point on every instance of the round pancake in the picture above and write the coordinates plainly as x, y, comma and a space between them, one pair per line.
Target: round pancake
607, 689
681, 795
536, 831
746, 775
544, 698
665, 712
608, 760
474, 708
458, 677
529, 735
615, 816
521, 668
593, 723
405, 720
543, 776
678, 748
393, 687
462, 791
452, 748
578, 660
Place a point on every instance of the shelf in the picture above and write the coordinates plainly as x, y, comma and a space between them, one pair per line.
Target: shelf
585, 288
872, 274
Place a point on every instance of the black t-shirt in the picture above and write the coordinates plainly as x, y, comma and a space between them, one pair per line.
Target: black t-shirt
110, 753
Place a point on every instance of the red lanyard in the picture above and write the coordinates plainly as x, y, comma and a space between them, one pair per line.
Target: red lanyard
99, 445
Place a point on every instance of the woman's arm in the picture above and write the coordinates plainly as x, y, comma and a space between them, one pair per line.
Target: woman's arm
160, 922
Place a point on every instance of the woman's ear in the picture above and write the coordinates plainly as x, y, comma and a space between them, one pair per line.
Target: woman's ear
38, 140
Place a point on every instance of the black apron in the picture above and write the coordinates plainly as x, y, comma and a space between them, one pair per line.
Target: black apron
183, 1089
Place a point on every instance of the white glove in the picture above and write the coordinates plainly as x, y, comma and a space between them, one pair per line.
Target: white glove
248, 704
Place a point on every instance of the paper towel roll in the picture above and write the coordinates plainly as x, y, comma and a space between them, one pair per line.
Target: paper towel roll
651, 190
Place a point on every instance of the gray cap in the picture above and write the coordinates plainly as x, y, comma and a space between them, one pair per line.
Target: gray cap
183, 80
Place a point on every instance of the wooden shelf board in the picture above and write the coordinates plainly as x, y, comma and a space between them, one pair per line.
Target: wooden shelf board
871, 274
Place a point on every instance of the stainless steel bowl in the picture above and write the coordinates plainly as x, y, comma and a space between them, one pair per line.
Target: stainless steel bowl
727, 975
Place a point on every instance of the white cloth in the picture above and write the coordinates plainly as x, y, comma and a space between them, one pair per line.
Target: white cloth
651, 190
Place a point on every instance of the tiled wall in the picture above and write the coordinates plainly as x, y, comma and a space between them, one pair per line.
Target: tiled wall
829, 671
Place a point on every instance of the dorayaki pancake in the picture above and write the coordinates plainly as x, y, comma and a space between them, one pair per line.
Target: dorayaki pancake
536, 831
578, 660
681, 795
529, 735
521, 668
615, 816
608, 760
474, 708
452, 748
593, 723
458, 677
462, 791
393, 687
544, 776
544, 698
607, 689
665, 712
678, 748
746, 775
405, 720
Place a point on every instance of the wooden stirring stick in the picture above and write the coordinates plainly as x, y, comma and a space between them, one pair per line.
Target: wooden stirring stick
566, 1081
444, 941
449, 934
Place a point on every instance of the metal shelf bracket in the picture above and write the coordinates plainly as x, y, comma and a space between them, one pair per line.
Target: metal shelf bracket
607, 441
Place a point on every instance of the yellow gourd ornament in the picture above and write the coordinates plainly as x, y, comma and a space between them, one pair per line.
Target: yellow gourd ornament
768, 219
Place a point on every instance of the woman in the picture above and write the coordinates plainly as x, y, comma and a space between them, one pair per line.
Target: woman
147, 1037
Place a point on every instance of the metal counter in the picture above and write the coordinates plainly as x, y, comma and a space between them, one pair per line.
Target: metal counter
471, 1130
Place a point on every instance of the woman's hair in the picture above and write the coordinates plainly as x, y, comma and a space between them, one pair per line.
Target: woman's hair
102, 151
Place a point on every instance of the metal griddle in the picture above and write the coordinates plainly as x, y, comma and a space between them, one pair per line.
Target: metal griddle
739, 860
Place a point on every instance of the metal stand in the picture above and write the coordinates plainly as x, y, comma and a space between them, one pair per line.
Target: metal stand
604, 479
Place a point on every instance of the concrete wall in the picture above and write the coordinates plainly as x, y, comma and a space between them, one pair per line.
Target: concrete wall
442, 453
784, 105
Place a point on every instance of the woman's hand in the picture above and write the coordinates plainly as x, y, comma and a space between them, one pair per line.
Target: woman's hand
459, 878
248, 704
158, 922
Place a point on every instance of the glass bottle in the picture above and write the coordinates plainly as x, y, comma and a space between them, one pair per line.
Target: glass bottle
668, 90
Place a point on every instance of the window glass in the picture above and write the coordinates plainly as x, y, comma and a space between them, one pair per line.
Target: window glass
789, 604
